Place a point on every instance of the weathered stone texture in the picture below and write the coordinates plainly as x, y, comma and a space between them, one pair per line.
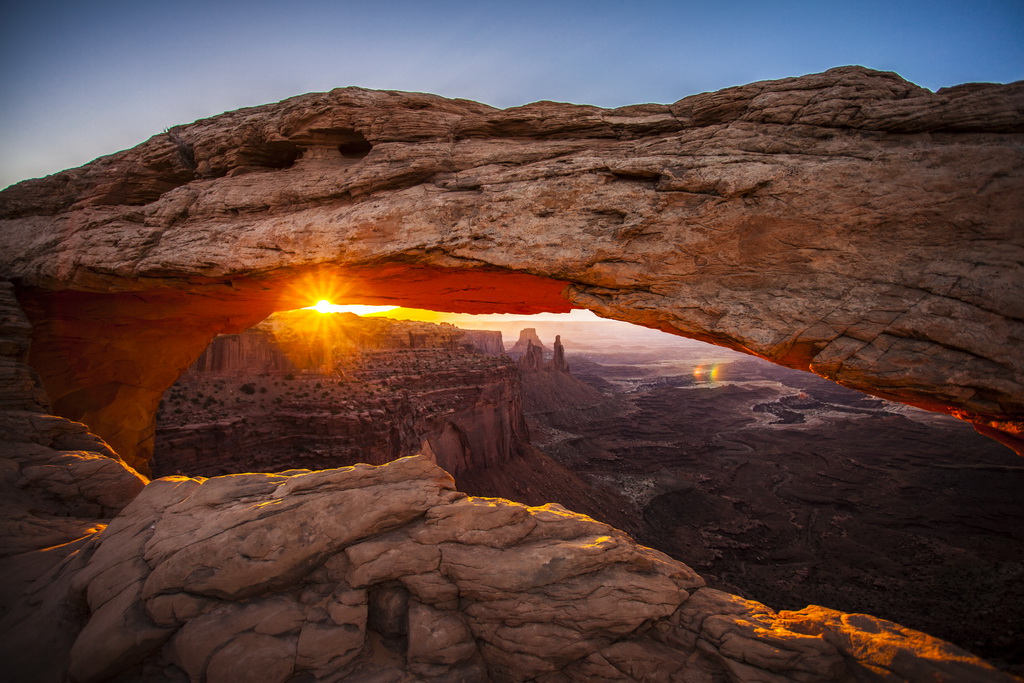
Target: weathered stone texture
388, 573
848, 223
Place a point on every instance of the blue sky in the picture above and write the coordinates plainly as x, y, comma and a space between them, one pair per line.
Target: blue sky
82, 79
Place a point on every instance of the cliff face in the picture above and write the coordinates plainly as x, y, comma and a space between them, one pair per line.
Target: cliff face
251, 353
329, 390
485, 341
847, 223
306, 341
59, 484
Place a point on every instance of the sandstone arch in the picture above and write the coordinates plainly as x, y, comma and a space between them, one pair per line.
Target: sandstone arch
847, 223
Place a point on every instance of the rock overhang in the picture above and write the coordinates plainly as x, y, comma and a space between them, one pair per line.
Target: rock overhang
847, 223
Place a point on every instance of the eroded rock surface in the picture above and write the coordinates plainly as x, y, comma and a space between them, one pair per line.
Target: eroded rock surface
388, 573
59, 484
848, 223
49, 463
304, 389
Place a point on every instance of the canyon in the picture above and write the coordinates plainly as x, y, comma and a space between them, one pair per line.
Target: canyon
768, 482
305, 389
847, 223
782, 487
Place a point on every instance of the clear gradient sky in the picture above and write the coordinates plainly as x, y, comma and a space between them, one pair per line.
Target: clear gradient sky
85, 78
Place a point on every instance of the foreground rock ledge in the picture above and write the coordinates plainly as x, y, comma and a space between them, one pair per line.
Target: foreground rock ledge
364, 573
388, 573
848, 223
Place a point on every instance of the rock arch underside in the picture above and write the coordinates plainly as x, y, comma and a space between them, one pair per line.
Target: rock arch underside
847, 223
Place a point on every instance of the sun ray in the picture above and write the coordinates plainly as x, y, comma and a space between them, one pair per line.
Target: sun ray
325, 306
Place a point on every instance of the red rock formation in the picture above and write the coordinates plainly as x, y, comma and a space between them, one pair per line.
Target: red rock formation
59, 484
527, 336
551, 394
462, 411
369, 390
532, 359
251, 353
558, 363
848, 223
485, 341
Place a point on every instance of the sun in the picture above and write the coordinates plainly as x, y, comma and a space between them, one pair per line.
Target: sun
325, 306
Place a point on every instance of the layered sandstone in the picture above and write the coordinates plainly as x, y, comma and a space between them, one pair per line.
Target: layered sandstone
848, 223
54, 472
527, 337
360, 390
253, 352
484, 341
304, 389
59, 484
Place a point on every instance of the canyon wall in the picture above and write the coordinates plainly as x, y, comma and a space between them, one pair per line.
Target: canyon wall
309, 390
251, 353
485, 341
59, 486
281, 344
848, 223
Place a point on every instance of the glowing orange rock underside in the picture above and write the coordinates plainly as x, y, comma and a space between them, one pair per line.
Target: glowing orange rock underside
106, 358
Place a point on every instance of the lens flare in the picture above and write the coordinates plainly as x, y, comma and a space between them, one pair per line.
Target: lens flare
705, 373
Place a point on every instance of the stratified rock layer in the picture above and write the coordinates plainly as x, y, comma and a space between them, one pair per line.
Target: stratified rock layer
848, 223
59, 484
329, 390
527, 337
56, 479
